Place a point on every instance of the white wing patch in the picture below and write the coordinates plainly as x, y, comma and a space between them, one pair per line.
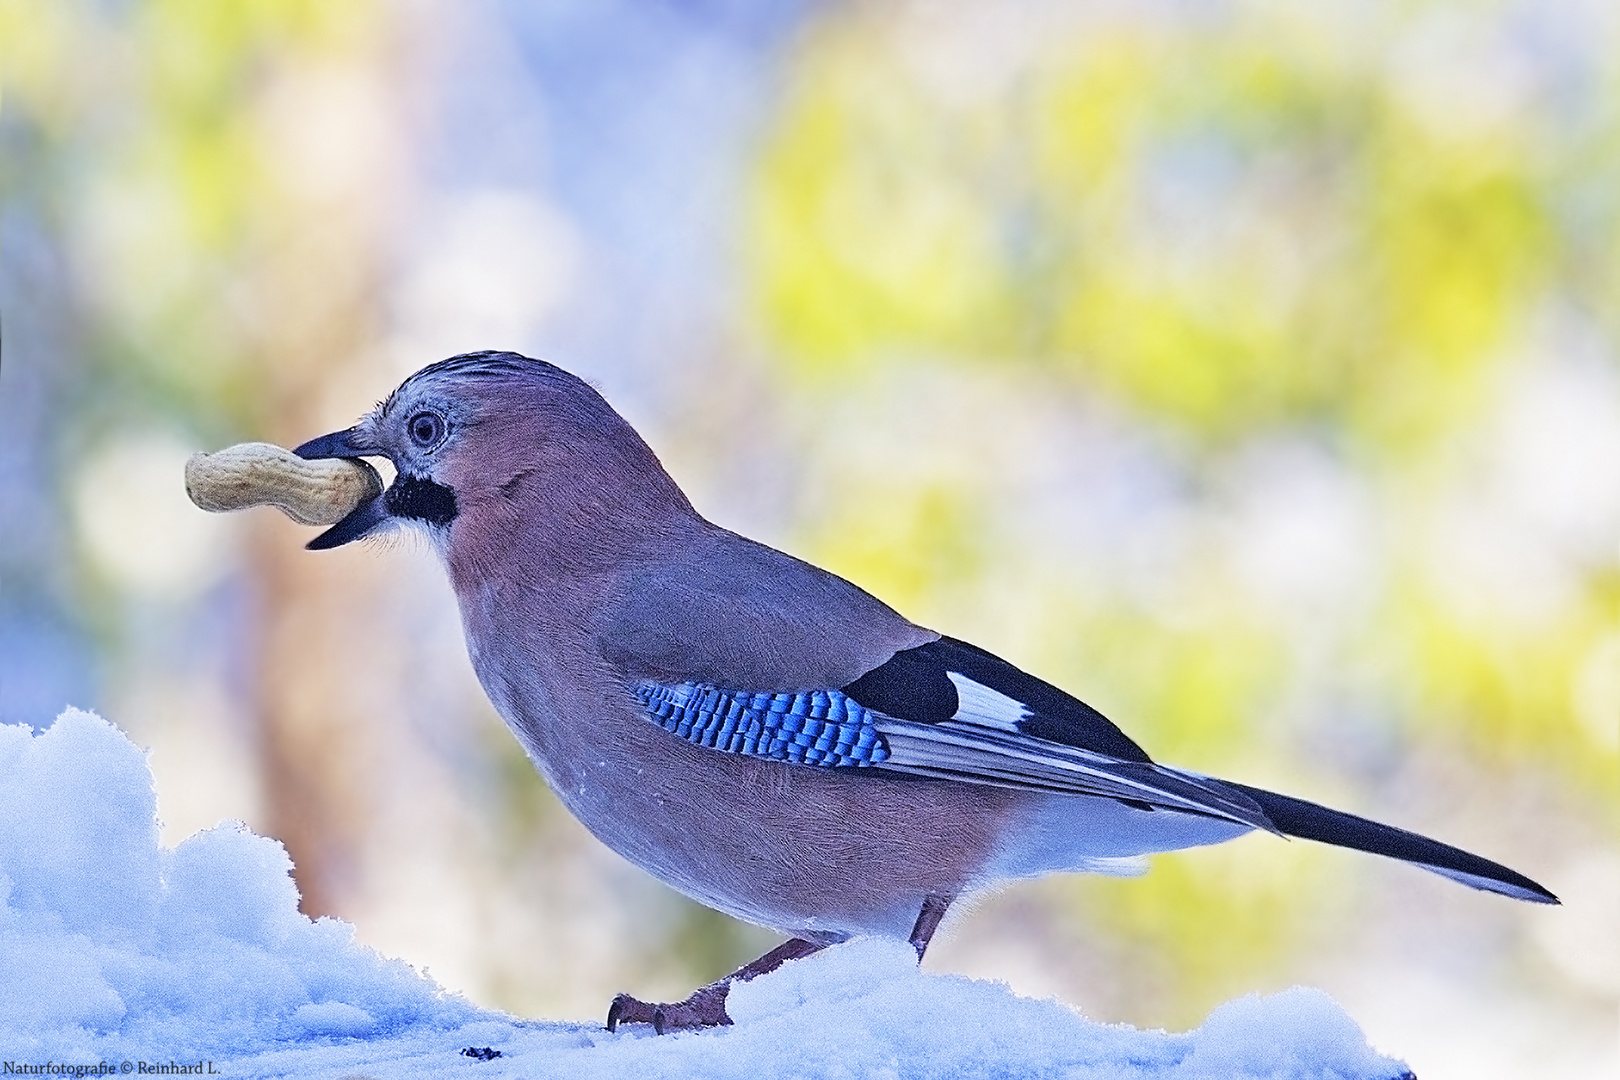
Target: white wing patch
978, 704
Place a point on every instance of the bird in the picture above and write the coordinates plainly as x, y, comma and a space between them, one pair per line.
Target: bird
758, 733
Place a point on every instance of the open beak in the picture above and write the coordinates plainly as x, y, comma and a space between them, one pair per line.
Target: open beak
363, 518
339, 444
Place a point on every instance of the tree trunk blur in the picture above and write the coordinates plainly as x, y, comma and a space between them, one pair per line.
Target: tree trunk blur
321, 709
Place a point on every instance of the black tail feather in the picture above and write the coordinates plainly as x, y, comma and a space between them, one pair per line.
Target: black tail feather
1308, 821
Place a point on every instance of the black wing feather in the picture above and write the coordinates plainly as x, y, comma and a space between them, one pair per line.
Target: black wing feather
913, 685
910, 685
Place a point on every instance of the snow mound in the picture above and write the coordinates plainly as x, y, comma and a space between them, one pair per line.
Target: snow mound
109, 942
118, 956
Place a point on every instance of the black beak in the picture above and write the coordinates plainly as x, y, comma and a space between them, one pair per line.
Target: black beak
363, 518
339, 444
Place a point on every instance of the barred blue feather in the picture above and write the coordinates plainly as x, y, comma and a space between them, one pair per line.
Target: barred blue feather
814, 727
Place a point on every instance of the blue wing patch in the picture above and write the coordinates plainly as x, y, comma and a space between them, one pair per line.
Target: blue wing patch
813, 727
830, 728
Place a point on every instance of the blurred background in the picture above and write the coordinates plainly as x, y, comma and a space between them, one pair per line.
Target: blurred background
1248, 368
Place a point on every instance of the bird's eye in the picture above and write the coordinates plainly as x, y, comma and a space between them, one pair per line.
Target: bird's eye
427, 429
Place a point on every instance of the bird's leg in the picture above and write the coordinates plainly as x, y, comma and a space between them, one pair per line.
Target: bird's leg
933, 910
707, 1005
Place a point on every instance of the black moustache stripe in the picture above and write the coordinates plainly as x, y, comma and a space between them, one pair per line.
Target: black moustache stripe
421, 498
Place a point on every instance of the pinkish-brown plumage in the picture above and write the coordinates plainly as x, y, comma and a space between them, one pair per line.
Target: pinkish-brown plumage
589, 587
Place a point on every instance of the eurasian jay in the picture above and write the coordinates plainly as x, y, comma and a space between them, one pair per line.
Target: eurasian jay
756, 732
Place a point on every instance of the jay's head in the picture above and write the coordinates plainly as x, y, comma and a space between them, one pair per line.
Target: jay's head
492, 441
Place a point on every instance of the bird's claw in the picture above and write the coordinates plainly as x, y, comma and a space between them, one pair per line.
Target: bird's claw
705, 1008
629, 1010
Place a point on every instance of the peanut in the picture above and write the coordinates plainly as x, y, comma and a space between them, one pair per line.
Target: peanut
320, 492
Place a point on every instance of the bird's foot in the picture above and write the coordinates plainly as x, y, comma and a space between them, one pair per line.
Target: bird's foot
705, 1008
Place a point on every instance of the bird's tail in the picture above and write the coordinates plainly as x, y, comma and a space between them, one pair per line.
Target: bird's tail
1308, 821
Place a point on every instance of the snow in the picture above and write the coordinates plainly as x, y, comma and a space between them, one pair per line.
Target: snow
118, 955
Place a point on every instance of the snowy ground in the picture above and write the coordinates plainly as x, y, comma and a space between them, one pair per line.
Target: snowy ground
118, 956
